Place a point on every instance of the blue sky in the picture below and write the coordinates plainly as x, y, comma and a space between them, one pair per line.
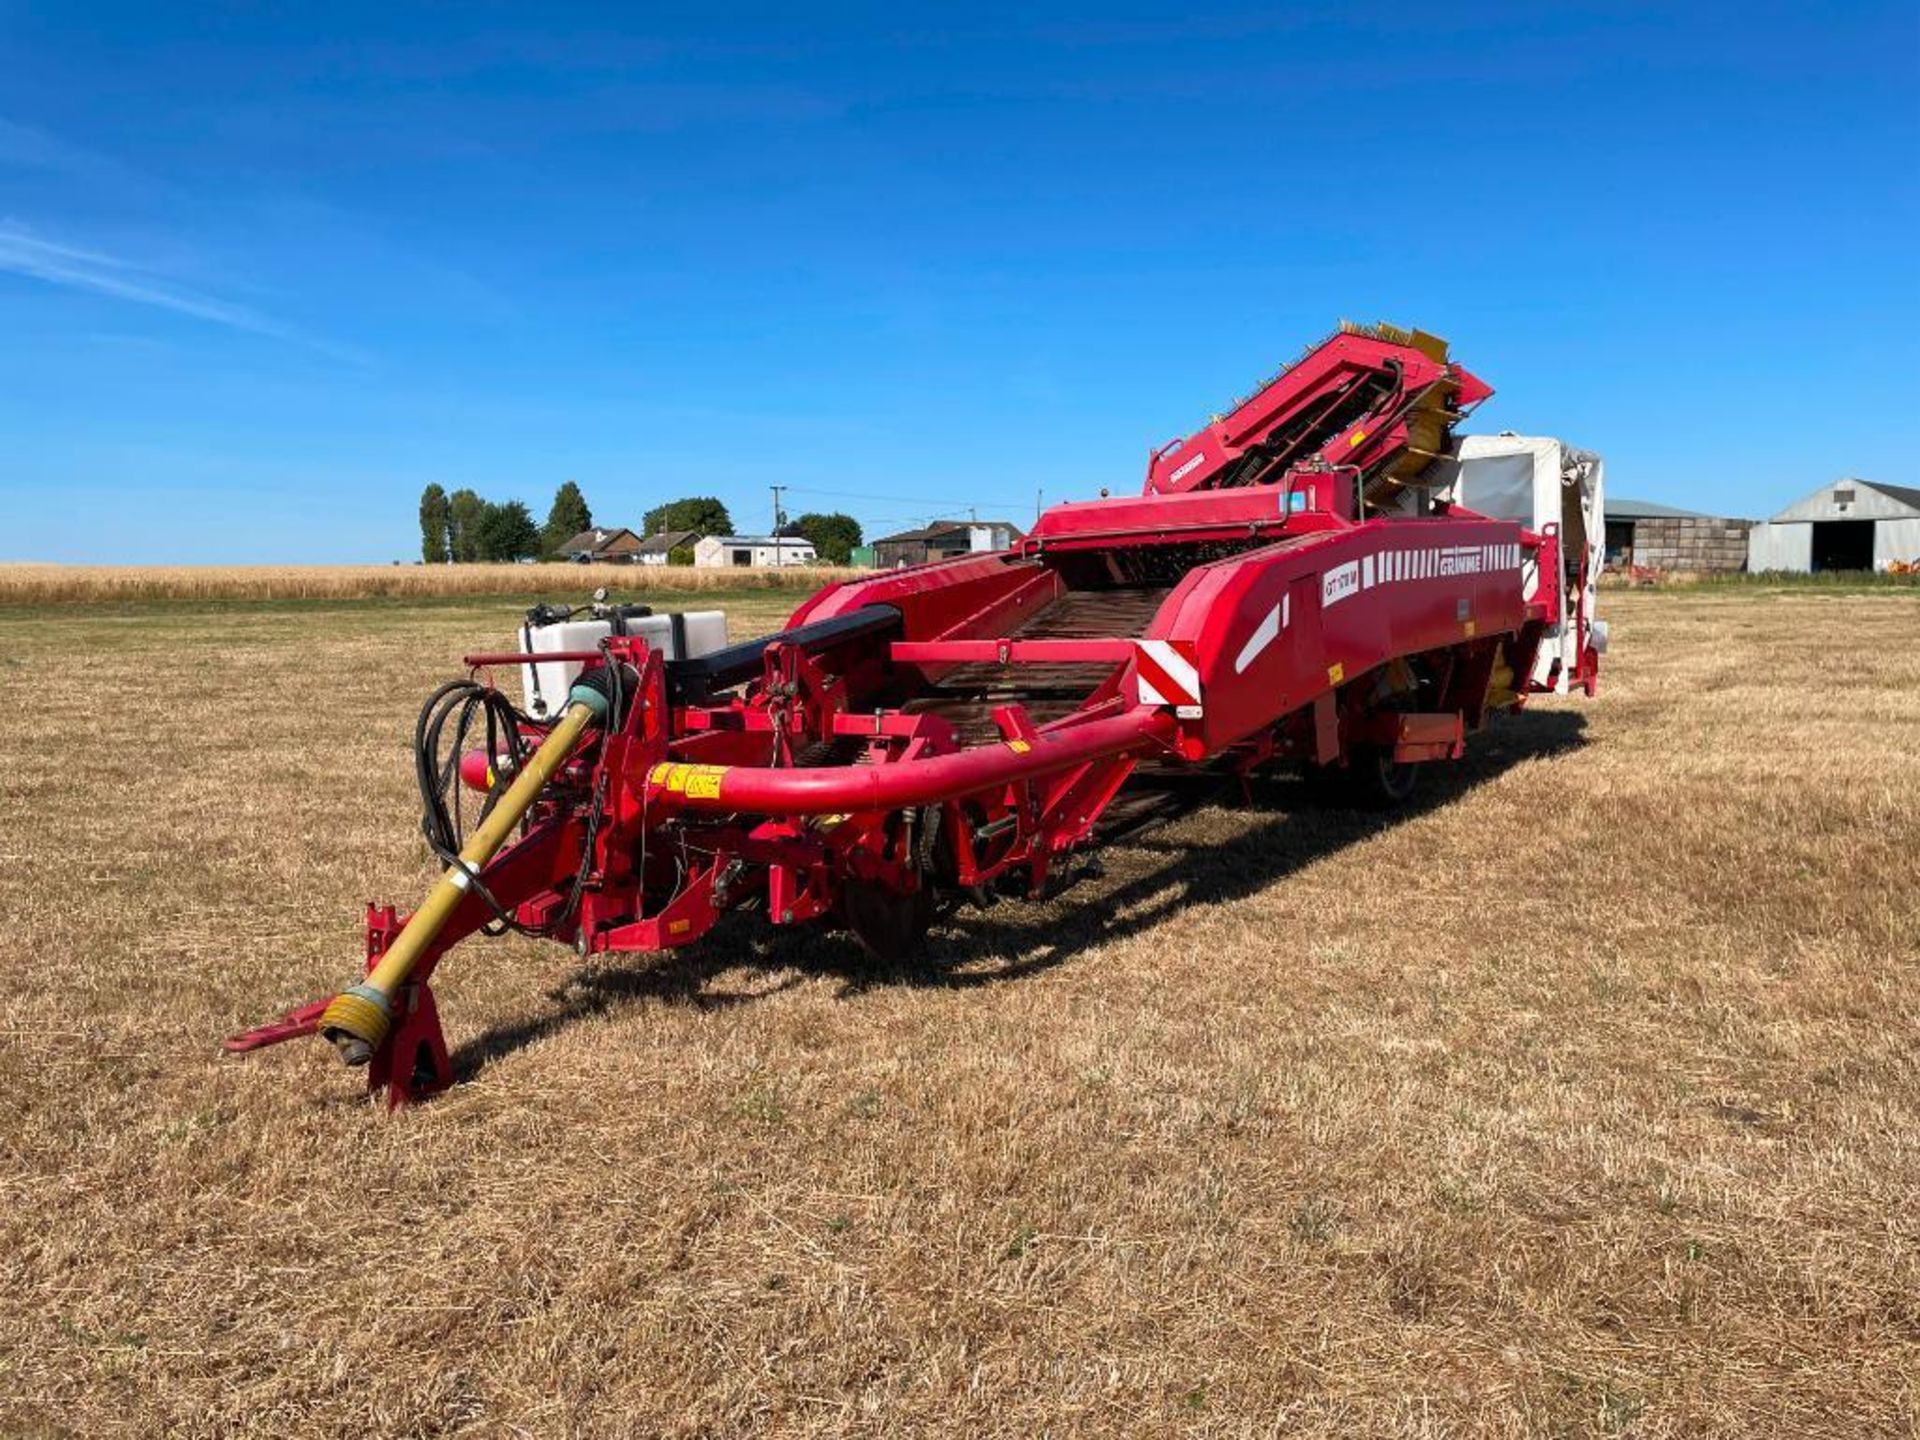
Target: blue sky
267, 270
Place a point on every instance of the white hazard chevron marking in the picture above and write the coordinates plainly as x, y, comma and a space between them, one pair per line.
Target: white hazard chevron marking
1264, 634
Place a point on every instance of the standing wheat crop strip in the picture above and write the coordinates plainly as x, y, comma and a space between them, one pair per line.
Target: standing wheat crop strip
34, 584
1579, 1101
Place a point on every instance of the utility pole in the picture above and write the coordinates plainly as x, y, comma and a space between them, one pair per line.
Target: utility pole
779, 522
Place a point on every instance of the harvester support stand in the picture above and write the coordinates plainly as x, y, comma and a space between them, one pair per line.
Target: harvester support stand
412, 1064
412, 1061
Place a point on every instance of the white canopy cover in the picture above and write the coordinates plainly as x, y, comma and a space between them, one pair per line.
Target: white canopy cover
1546, 485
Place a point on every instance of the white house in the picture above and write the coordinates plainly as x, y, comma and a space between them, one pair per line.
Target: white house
717, 552
1848, 525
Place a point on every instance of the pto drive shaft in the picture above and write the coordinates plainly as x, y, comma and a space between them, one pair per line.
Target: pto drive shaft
358, 1019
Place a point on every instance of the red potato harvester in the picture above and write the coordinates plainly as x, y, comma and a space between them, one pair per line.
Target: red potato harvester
1300, 583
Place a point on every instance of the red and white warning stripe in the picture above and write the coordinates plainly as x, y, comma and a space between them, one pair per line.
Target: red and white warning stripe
1167, 675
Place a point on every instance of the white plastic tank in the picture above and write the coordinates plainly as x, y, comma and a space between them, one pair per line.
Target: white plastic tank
544, 684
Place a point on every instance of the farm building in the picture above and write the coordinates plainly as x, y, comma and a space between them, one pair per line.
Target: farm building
1849, 525
719, 551
941, 541
658, 549
1663, 537
604, 546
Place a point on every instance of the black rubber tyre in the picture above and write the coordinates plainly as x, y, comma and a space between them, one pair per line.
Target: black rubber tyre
1370, 780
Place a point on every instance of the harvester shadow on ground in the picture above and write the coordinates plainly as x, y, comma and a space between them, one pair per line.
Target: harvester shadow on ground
1012, 941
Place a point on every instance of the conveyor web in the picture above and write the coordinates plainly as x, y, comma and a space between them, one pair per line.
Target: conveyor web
967, 694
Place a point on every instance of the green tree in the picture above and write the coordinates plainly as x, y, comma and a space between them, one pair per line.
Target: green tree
507, 532
832, 535
701, 513
568, 517
465, 511
433, 525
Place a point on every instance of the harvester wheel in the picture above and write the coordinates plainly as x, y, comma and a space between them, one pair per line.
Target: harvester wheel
888, 924
1384, 783
1370, 780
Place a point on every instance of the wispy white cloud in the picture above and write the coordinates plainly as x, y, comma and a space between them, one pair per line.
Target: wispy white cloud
22, 253
27, 254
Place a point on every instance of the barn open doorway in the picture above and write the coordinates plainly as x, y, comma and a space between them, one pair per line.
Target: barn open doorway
1843, 545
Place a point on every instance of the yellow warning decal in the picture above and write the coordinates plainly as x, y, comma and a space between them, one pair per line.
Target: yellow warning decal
697, 782
679, 927
1019, 747
1468, 628
703, 781
1355, 438
1336, 673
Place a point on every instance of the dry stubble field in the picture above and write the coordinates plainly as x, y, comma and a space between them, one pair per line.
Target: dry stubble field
1581, 1101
